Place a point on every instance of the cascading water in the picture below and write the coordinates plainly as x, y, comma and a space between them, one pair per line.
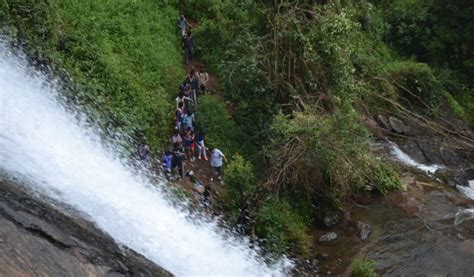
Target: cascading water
44, 146
468, 190
407, 160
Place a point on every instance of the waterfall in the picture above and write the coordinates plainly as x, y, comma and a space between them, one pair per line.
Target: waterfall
404, 158
45, 147
467, 190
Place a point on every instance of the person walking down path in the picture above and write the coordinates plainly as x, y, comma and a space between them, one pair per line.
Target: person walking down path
182, 24
189, 120
201, 146
203, 79
217, 158
194, 81
178, 157
188, 47
179, 115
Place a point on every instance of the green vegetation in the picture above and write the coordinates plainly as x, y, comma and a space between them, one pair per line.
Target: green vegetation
363, 268
122, 56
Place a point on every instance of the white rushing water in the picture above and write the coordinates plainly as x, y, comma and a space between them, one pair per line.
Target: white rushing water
43, 144
407, 160
469, 190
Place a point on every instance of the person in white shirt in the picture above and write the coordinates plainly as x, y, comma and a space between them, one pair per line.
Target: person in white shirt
203, 79
217, 159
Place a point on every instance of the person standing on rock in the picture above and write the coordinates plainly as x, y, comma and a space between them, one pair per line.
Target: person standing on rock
203, 79
188, 47
217, 158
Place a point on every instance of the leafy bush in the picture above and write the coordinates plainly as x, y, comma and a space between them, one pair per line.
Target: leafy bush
416, 83
283, 229
221, 132
240, 183
363, 268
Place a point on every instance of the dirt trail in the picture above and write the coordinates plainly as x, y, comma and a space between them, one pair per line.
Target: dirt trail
201, 168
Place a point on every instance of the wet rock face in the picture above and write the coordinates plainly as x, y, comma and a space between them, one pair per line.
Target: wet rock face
364, 230
332, 219
397, 125
38, 240
328, 237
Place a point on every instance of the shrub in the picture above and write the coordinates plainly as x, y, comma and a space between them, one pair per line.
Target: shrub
283, 230
221, 132
363, 268
417, 84
240, 183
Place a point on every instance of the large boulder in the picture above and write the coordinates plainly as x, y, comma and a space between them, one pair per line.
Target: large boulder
397, 125
332, 219
328, 237
383, 122
364, 230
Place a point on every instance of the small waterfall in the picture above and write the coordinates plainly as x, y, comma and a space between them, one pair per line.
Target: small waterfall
463, 215
43, 145
407, 160
469, 190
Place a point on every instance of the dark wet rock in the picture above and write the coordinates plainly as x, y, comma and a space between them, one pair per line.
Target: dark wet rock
464, 221
455, 177
328, 237
322, 256
397, 125
412, 148
364, 230
383, 122
373, 127
332, 219
36, 239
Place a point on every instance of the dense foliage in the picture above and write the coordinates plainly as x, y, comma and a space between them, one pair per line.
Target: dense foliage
121, 55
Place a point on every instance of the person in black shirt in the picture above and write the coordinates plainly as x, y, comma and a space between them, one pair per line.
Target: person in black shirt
178, 157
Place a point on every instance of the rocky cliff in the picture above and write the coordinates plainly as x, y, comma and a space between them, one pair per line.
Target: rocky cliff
38, 239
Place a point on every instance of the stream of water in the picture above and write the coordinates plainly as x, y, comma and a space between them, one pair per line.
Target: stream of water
43, 145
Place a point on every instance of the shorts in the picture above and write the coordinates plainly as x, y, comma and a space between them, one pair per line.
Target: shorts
216, 169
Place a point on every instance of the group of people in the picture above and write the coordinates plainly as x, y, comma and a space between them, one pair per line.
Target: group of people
187, 141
